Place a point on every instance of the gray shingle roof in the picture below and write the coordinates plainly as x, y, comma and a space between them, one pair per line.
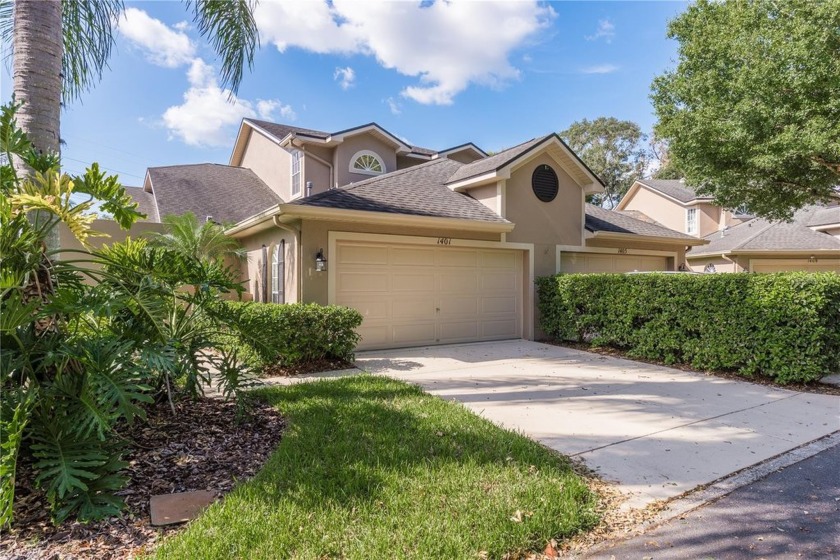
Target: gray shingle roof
601, 219
419, 191
763, 235
228, 194
494, 162
675, 189
145, 203
824, 216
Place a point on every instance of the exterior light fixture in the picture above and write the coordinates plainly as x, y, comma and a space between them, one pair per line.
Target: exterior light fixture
320, 261
812, 259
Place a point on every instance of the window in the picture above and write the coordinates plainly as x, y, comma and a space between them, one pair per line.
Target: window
691, 221
367, 163
278, 273
296, 179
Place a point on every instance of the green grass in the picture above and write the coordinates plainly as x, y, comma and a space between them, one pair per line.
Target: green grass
375, 468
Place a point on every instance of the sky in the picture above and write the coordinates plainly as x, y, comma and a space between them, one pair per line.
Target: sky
435, 73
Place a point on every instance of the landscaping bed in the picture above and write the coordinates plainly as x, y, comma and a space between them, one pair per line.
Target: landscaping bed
201, 447
375, 468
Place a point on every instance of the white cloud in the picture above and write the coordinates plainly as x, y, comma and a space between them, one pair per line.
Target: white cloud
606, 31
209, 114
600, 69
346, 77
395, 107
446, 45
161, 44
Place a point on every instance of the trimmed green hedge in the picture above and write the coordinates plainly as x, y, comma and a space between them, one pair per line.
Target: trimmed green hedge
785, 326
290, 334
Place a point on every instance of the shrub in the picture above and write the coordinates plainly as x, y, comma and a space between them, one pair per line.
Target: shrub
267, 334
785, 326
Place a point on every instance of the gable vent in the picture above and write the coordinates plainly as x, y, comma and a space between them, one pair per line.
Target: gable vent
544, 182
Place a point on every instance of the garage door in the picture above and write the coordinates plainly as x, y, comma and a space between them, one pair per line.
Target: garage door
589, 263
785, 266
419, 295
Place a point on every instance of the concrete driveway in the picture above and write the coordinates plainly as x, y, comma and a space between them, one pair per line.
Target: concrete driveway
656, 431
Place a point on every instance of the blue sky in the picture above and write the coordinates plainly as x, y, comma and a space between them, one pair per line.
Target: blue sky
494, 73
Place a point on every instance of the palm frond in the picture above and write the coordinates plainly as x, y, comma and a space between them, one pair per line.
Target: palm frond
88, 39
230, 27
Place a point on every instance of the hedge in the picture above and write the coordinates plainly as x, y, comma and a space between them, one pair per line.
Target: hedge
784, 326
290, 334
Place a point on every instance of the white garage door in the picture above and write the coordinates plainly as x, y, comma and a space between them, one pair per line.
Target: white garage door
589, 263
419, 295
767, 265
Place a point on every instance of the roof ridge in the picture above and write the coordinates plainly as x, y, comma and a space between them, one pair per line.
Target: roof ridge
753, 236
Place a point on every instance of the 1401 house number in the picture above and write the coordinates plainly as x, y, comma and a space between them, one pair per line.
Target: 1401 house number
444, 241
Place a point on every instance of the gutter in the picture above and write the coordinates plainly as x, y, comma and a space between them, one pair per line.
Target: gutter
320, 160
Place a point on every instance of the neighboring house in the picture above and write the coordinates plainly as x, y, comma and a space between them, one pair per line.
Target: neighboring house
739, 242
432, 247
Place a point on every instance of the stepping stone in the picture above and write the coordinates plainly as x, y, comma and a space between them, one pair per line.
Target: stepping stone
169, 509
831, 380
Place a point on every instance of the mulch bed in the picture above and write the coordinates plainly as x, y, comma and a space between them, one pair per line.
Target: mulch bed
201, 447
820, 388
317, 366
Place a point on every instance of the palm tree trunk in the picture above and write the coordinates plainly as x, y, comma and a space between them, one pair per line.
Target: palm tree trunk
38, 50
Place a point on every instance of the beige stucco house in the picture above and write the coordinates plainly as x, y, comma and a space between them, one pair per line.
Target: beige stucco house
738, 242
431, 246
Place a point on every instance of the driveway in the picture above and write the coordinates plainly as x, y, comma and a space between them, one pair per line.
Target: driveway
656, 431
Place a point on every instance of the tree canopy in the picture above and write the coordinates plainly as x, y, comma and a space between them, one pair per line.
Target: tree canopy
751, 111
613, 149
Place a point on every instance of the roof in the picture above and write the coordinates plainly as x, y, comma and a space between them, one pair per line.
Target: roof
601, 219
824, 216
420, 191
763, 235
674, 188
227, 194
145, 203
494, 162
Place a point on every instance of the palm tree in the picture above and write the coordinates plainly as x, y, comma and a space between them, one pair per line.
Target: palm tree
207, 241
61, 48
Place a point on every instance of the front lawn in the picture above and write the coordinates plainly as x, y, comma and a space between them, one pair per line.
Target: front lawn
374, 468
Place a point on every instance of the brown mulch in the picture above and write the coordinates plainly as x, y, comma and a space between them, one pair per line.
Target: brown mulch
819, 388
201, 447
316, 366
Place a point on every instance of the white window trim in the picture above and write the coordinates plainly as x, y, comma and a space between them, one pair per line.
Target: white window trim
361, 153
688, 229
278, 273
299, 174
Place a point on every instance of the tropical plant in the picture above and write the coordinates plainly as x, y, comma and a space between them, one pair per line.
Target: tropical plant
89, 339
207, 241
751, 109
62, 47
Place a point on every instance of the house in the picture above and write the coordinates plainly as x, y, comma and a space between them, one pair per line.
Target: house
431, 246
738, 242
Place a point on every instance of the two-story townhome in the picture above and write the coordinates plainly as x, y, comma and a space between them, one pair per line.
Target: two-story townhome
431, 246
737, 242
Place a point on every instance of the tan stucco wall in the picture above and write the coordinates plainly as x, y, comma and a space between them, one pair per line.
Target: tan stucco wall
658, 208
709, 218
269, 162
721, 265
673, 263
252, 264
315, 236
347, 149
488, 195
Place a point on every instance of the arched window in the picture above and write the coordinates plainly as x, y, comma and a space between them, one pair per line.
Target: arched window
278, 273
367, 163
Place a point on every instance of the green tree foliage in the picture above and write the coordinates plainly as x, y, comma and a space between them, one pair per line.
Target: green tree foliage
184, 235
613, 149
751, 110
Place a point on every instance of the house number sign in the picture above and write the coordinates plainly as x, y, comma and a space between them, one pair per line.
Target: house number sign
444, 241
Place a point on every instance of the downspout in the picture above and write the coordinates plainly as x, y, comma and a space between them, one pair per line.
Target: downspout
321, 161
298, 252
734, 264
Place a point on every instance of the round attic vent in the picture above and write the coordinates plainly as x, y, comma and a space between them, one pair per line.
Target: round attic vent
544, 182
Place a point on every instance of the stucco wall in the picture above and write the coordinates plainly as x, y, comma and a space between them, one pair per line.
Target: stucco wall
252, 265
657, 207
347, 149
488, 195
315, 236
269, 162
644, 246
403, 162
709, 219
721, 265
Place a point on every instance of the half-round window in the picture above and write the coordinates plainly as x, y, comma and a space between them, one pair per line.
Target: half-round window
544, 182
367, 163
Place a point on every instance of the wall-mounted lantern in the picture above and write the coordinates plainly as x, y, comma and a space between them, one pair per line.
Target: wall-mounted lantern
812, 259
320, 261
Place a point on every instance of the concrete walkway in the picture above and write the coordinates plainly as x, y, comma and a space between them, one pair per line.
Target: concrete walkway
656, 431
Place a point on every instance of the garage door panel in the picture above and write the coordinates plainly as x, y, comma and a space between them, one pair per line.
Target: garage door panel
363, 254
355, 282
588, 263
413, 308
430, 295
411, 256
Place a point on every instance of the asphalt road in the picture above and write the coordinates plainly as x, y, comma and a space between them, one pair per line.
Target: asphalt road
792, 513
